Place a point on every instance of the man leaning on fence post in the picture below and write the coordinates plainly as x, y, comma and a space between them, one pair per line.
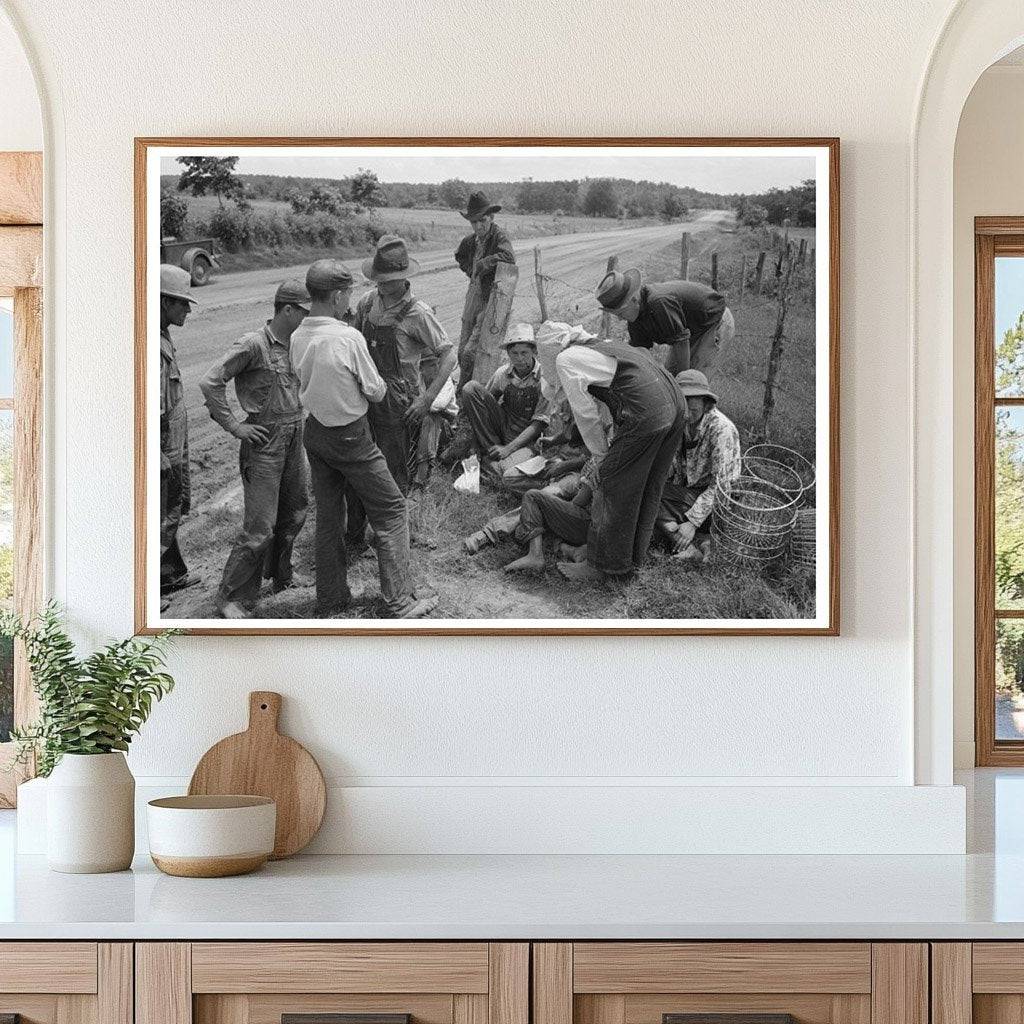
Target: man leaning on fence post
478, 255
689, 317
176, 303
275, 487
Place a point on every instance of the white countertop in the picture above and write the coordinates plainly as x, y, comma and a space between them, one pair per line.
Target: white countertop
532, 897
978, 896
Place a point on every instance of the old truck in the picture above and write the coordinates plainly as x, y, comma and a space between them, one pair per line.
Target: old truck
196, 255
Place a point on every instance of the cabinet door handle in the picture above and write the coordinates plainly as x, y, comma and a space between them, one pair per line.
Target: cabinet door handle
728, 1018
339, 1018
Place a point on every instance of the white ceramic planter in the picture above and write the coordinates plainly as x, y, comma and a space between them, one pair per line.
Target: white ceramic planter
90, 814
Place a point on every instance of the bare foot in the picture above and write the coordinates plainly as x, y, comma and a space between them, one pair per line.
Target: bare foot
569, 553
526, 564
580, 572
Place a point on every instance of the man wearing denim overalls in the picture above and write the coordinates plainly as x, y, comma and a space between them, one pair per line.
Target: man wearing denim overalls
400, 331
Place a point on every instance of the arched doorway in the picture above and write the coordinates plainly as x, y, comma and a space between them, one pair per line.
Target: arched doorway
976, 34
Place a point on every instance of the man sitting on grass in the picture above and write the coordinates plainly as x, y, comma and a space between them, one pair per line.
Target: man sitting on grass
509, 412
709, 452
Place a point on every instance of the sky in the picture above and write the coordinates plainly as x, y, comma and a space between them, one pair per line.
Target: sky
725, 170
1009, 293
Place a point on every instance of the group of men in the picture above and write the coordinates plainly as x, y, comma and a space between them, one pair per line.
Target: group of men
352, 404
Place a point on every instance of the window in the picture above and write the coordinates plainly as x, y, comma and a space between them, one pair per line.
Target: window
999, 490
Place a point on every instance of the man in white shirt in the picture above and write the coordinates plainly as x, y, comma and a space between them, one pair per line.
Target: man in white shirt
649, 416
337, 381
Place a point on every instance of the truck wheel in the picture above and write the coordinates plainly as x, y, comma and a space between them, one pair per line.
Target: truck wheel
200, 271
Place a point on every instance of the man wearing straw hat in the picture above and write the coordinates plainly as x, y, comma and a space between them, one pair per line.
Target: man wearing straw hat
710, 452
401, 332
688, 316
176, 303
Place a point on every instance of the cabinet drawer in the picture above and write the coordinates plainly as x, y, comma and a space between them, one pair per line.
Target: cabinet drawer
635, 967
48, 967
340, 967
261, 982
736, 982
66, 982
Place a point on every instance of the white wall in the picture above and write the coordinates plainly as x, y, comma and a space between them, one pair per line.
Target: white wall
988, 181
21, 124
488, 712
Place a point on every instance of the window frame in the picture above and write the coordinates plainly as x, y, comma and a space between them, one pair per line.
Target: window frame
993, 237
21, 271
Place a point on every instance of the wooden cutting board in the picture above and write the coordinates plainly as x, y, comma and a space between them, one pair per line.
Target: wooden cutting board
262, 762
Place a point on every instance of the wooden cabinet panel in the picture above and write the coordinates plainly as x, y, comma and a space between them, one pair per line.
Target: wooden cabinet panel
340, 967
66, 982
68, 967
998, 967
756, 967
237, 1008
552, 983
899, 983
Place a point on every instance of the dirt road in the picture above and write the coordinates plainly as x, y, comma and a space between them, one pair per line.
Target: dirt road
237, 303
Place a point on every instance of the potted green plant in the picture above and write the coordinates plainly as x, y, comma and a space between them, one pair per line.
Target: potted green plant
89, 710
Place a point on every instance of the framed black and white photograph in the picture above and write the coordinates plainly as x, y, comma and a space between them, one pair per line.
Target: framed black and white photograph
441, 386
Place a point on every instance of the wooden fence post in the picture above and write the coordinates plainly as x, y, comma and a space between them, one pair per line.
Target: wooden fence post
759, 272
606, 318
743, 278
539, 279
775, 354
684, 257
714, 271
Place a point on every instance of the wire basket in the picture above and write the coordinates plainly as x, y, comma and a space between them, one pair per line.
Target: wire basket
803, 548
752, 522
782, 466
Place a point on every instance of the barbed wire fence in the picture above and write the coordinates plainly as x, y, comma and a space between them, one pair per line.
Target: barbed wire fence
777, 271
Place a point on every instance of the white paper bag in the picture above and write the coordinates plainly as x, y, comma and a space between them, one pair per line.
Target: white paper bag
469, 481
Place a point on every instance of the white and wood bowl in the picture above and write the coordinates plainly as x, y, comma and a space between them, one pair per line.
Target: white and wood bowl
211, 836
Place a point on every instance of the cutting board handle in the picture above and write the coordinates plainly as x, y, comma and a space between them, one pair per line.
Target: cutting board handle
264, 710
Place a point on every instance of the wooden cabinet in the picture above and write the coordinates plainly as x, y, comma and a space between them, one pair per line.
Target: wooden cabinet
979, 982
66, 982
259, 982
815, 982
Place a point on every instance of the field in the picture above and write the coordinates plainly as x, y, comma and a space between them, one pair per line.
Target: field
476, 587
424, 230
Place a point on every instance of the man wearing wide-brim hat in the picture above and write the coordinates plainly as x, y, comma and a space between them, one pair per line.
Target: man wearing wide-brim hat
401, 332
709, 453
275, 484
176, 302
688, 316
478, 255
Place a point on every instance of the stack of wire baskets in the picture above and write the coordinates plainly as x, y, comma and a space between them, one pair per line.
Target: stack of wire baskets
766, 515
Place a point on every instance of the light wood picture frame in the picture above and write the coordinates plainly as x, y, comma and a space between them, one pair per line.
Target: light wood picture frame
21, 278
389, 159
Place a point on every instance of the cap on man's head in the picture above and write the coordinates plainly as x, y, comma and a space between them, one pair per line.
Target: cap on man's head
329, 276
521, 334
292, 293
176, 283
